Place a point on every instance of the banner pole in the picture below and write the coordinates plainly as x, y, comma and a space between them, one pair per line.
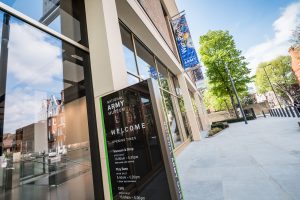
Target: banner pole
177, 14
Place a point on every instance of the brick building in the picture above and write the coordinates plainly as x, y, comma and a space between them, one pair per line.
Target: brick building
295, 55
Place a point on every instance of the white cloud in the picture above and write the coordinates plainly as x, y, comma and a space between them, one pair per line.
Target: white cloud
34, 61
22, 108
279, 44
33, 58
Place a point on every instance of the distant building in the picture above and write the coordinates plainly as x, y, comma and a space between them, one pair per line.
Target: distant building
8, 142
270, 97
32, 138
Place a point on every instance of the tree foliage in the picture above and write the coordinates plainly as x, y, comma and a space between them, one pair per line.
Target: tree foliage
217, 50
281, 77
212, 102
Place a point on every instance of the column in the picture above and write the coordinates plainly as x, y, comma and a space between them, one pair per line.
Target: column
107, 63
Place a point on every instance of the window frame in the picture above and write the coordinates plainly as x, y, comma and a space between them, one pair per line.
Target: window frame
171, 91
89, 94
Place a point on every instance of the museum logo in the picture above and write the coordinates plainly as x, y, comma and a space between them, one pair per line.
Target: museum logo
115, 105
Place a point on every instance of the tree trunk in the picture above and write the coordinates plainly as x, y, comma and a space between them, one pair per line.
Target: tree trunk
227, 106
287, 93
290, 97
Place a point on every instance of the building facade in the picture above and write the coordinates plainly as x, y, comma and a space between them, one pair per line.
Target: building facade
57, 59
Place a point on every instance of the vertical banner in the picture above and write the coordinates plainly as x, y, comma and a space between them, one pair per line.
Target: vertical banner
197, 74
199, 78
140, 160
184, 42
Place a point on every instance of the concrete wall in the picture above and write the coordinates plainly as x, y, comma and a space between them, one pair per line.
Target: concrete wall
219, 116
259, 107
224, 115
155, 11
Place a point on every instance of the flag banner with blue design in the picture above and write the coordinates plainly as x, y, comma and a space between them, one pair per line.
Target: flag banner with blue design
184, 42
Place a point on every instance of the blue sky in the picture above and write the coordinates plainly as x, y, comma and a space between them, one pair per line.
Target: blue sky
261, 28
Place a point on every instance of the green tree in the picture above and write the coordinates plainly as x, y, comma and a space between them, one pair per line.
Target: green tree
214, 103
281, 77
217, 50
248, 100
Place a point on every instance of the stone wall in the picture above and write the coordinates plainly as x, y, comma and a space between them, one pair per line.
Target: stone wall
219, 116
259, 107
155, 11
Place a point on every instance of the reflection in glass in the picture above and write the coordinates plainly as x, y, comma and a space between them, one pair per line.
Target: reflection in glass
140, 144
171, 118
128, 51
184, 116
163, 76
195, 109
176, 86
181, 106
145, 61
66, 17
132, 79
44, 126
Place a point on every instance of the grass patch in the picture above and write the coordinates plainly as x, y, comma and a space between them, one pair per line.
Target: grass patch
214, 131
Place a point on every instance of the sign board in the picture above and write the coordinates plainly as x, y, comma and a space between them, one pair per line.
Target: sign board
138, 148
184, 42
201, 84
197, 73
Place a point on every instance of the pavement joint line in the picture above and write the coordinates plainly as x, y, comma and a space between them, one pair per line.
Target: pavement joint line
272, 179
266, 145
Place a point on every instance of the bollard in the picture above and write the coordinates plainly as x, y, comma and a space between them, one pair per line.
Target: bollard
287, 112
280, 113
292, 112
283, 112
274, 111
275, 114
296, 111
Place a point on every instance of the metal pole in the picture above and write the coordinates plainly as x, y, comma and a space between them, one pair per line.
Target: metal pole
272, 87
236, 95
177, 14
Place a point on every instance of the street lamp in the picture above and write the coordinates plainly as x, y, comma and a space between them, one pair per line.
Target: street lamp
272, 86
236, 95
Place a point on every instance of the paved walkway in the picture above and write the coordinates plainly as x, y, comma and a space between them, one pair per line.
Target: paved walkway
260, 161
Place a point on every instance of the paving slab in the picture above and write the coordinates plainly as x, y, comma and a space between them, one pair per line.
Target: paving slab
260, 161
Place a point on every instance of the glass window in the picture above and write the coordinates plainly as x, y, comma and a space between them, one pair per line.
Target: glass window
171, 118
147, 67
184, 116
128, 51
132, 79
145, 61
43, 116
66, 17
195, 109
181, 106
163, 76
176, 86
